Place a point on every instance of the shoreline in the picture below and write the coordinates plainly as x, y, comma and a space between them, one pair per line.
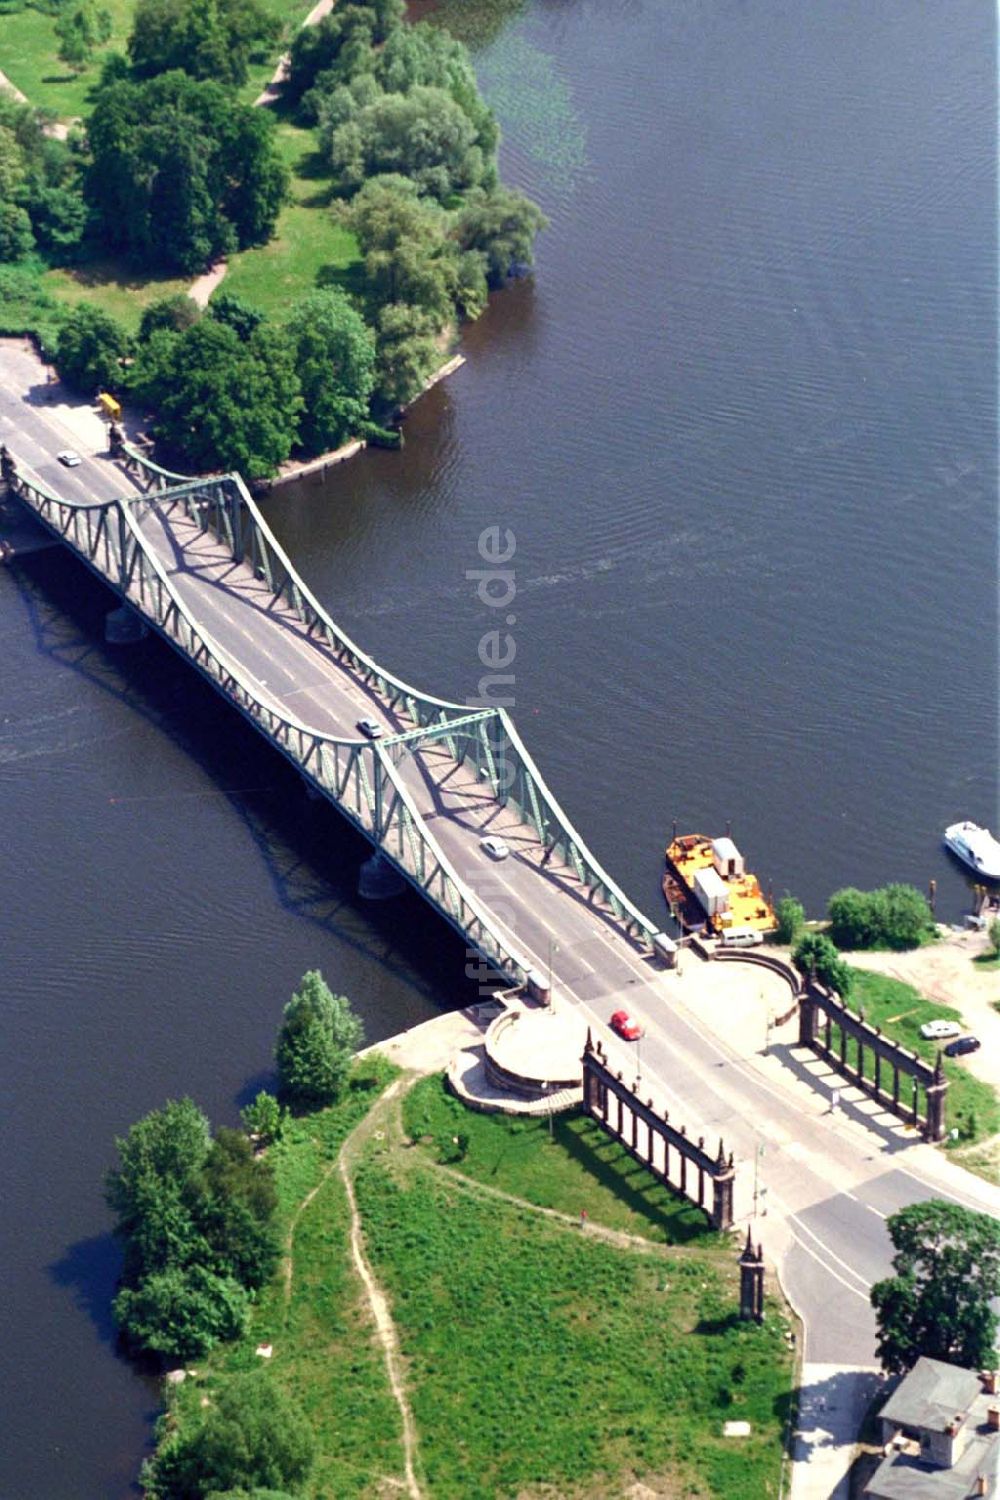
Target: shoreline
307, 468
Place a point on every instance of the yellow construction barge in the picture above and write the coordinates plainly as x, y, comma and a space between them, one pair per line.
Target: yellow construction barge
707, 885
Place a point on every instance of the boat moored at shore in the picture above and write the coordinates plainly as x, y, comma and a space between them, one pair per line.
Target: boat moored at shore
708, 887
975, 847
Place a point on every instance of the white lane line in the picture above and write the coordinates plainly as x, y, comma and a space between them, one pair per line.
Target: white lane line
796, 1222
877, 1211
830, 1271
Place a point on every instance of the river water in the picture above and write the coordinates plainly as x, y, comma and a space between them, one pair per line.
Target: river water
741, 426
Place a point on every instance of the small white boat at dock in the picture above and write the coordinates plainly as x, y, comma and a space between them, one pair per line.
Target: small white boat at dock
975, 847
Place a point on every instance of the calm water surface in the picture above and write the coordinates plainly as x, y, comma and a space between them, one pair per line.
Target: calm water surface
742, 427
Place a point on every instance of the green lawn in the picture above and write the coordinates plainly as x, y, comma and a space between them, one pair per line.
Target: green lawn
28, 57
539, 1360
309, 248
568, 1164
545, 1361
900, 1010
108, 284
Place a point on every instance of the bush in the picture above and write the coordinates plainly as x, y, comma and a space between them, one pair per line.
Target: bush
791, 919
196, 1218
253, 1436
90, 350
318, 1038
895, 916
814, 953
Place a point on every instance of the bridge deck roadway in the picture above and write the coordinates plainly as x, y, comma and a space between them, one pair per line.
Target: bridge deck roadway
830, 1181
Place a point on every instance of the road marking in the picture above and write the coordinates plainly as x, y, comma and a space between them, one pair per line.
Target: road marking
830, 1271
795, 1220
872, 1209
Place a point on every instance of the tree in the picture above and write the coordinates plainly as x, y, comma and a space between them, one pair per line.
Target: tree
264, 1118
407, 352
81, 31
181, 1312
895, 916
501, 225
174, 313
222, 403
252, 1437
408, 255
334, 353
237, 1216
424, 135
814, 953
940, 1301
319, 1035
227, 308
791, 919
90, 350
16, 237
206, 38
180, 173
168, 1147
196, 1217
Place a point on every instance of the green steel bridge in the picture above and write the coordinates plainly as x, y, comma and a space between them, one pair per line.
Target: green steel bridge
195, 561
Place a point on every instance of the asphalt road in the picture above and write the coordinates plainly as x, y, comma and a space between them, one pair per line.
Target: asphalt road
830, 1182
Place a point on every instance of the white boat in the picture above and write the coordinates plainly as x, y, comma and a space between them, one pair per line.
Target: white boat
975, 847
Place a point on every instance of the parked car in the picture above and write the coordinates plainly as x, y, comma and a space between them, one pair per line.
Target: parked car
741, 937
961, 1045
370, 728
495, 847
936, 1031
69, 457
626, 1026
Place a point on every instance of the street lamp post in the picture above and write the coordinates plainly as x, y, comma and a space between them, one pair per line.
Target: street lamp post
553, 948
758, 1191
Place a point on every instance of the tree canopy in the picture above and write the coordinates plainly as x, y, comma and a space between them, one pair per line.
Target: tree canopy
814, 953
205, 38
318, 1038
41, 189
895, 916
252, 1440
90, 349
221, 402
181, 174
940, 1301
196, 1218
334, 353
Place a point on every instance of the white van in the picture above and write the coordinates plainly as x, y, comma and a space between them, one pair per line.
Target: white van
741, 937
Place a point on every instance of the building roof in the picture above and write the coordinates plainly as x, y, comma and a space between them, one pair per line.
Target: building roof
904, 1476
932, 1395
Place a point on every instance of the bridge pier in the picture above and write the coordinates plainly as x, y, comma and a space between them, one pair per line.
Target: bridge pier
378, 880
123, 627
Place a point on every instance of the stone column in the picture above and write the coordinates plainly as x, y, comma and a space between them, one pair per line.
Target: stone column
722, 1191
752, 1282
807, 1020
937, 1094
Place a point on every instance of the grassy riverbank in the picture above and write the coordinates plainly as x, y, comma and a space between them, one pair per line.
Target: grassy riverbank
973, 1106
537, 1355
